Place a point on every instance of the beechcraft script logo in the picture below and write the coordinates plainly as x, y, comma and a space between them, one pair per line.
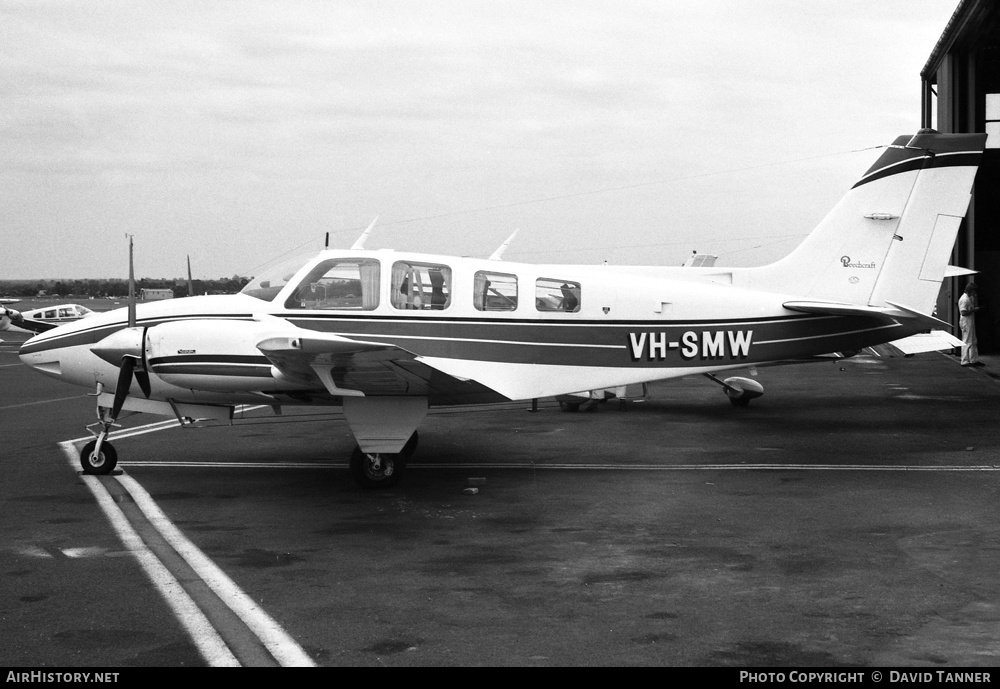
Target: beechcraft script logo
693, 344
847, 263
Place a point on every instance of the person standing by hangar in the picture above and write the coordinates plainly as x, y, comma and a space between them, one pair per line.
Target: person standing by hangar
967, 308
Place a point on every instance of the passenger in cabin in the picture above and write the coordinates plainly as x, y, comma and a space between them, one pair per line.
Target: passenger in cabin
438, 298
408, 300
570, 302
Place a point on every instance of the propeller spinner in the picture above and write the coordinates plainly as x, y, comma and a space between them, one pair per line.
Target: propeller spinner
126, 350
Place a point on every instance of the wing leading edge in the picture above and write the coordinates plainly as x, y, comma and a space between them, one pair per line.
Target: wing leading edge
355, 368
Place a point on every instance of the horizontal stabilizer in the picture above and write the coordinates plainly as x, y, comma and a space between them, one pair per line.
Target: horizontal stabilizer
934, 341
834, 308
922, 318
958, 271
897, 312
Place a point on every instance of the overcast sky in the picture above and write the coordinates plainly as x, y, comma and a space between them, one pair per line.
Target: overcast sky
623, 131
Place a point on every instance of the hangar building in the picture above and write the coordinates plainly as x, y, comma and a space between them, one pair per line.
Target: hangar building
961, 93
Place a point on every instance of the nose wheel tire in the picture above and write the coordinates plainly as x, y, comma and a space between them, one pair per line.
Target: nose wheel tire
102, 462
377, 469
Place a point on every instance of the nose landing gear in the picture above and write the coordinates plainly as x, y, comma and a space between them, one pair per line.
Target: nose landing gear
99, 456
98, 460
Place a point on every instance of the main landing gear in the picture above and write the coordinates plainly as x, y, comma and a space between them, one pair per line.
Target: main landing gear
381, 469
739, 390
386, 431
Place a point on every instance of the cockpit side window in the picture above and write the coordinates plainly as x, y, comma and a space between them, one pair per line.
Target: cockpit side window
420, 286
267, 285
495, 291
557, 295
347, 284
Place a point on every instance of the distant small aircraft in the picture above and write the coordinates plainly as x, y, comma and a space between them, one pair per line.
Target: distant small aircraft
387, 334
42, 319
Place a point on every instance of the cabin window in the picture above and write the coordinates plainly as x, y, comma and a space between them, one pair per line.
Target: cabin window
421, 286
67, 313
557, 295
50, 314
495, 291
343, 284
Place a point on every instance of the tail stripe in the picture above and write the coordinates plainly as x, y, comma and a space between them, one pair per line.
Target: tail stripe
956, 159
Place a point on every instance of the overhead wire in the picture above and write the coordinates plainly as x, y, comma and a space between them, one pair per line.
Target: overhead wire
580, 194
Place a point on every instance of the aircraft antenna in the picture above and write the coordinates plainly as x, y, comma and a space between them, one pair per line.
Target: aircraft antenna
496, 255
360, 244
190, 281
131, 286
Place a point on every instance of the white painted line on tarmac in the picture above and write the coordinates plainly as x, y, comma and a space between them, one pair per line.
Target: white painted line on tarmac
243, 465
146, 428
210, 645
284, 649
142, 430
31, 404
574, 467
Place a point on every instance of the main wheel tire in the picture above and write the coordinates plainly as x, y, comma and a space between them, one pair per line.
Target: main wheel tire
569, 406
102, 463
388, 473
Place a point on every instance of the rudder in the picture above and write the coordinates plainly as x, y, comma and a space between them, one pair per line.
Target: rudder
889, 238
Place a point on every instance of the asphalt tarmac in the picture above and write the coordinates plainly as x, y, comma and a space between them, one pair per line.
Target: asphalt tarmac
848, 518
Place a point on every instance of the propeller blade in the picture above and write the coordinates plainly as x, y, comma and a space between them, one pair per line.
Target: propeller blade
142, 378
124, 383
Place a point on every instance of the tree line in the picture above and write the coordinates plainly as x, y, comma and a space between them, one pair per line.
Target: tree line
117, 287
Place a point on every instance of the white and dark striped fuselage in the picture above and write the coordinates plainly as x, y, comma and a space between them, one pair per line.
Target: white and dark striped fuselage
625, 329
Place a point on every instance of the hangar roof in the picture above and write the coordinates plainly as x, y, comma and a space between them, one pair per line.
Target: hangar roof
975, 24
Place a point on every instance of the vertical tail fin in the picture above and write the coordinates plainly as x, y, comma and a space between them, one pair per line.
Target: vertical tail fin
889, 239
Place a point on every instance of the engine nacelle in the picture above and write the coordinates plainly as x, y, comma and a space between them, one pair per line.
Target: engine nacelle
214, 355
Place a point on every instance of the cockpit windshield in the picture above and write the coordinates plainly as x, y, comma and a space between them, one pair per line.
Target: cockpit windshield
271, 280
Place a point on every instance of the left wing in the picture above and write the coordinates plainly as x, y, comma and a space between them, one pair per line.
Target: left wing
354, 368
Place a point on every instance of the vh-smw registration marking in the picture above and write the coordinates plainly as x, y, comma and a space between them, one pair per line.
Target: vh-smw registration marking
693, 344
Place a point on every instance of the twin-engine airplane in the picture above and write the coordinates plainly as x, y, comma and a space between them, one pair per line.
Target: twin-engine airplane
41, 319
388, 334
